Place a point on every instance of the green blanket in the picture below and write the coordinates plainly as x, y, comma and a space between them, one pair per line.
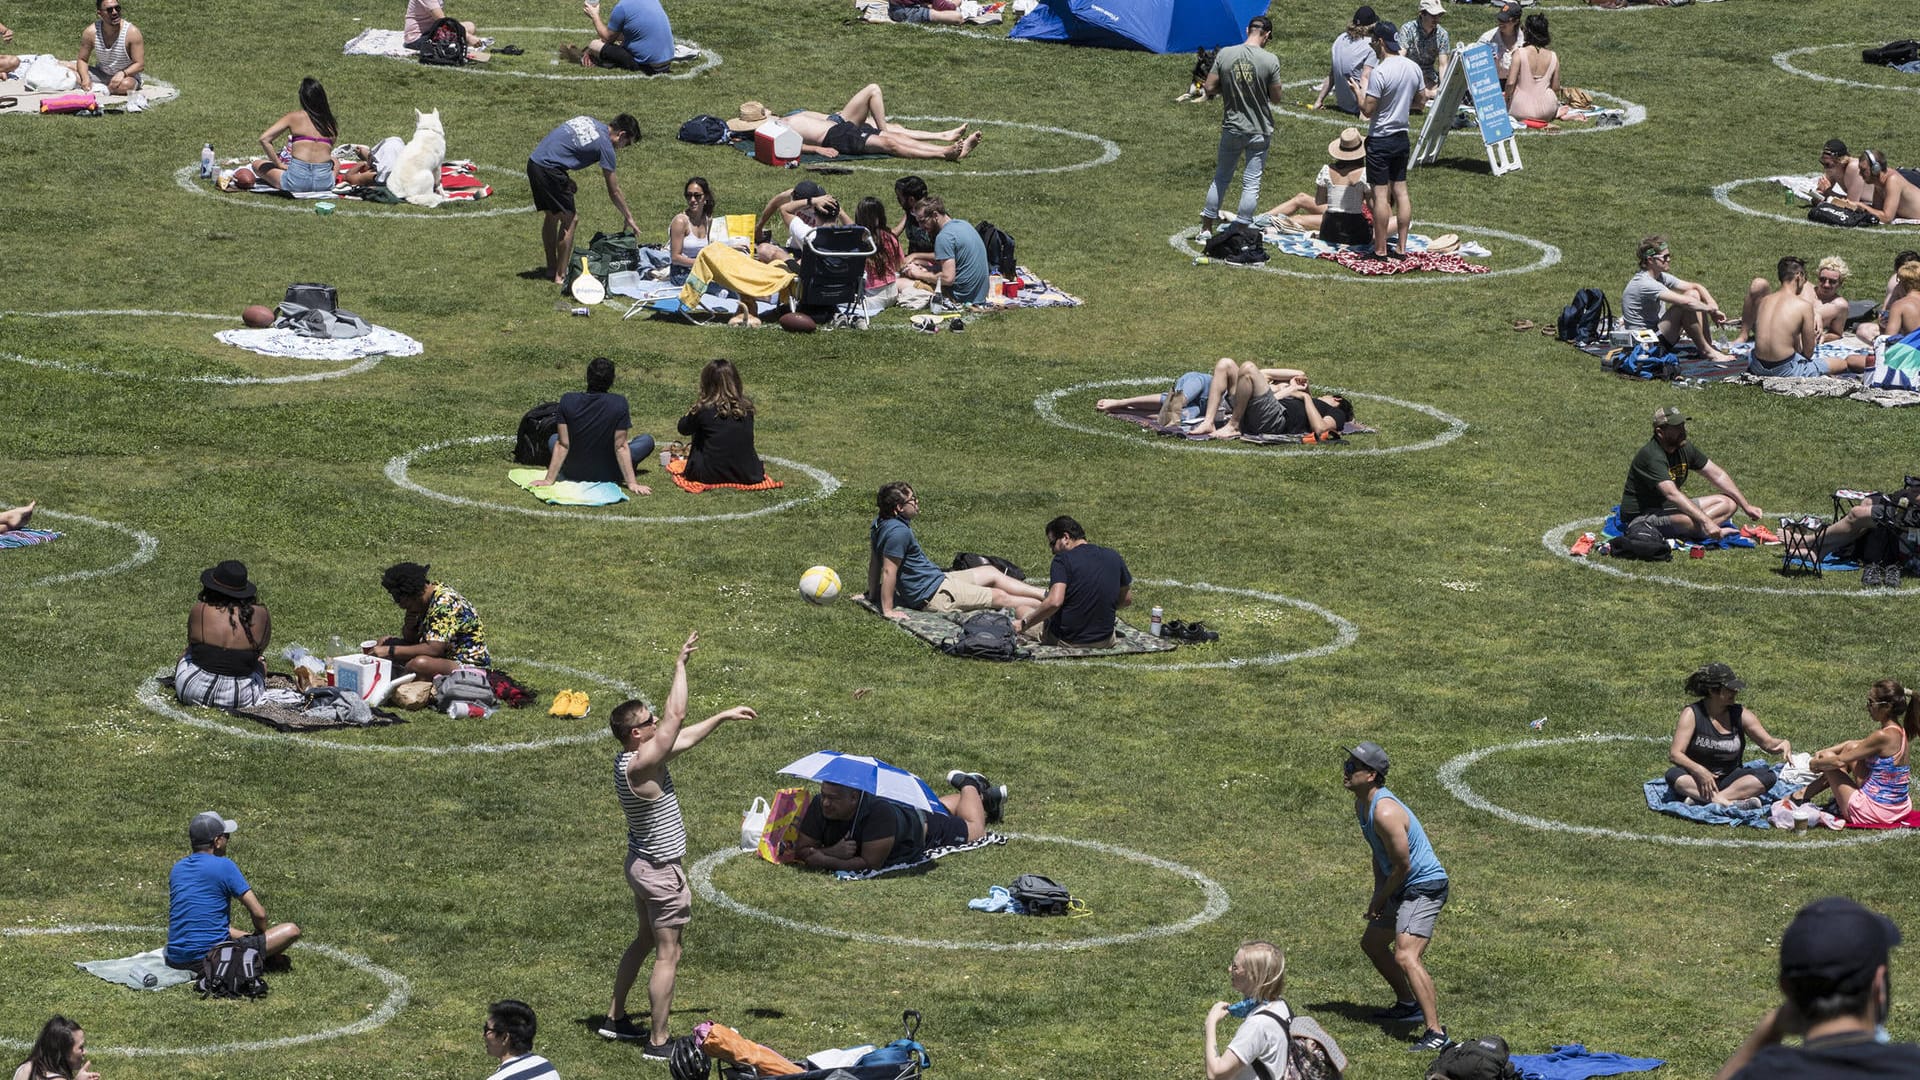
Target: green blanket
936, 629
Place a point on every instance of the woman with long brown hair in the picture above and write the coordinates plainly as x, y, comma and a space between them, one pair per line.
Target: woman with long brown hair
720, 425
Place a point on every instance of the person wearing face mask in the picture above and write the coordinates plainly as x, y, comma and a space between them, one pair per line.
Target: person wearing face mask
1834, 958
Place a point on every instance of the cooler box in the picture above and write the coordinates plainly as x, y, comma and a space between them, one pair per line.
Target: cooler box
774, 143
367, 676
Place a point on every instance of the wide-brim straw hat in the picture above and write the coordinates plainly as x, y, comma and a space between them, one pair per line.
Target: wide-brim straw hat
752, 115
1348, 147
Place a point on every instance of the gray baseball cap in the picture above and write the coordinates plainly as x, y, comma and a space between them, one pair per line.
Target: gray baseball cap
207, 826
1371, 755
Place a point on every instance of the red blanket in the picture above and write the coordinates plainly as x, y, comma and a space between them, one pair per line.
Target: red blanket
1361, 263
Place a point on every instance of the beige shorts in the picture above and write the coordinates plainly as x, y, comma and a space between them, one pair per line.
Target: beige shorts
661, 897
959, 593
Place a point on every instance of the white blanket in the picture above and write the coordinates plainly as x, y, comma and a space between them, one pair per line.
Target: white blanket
276, 342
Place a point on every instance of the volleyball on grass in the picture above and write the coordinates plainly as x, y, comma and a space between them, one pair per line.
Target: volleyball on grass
820, 585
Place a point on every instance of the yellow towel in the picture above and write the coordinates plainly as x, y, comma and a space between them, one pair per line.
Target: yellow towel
718, 264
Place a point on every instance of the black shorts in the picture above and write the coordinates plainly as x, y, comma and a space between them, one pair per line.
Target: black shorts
1336, 228
1387, 157
552, 188
849, 138
1767, 777
945, 830
615, 55
1264, 416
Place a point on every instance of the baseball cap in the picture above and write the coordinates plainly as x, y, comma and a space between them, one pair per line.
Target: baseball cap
1835, 147
1364, 16
1370, 755
1432, 7
1387, 35
1509, 12
807, 189
1669, 416
207, 826
1718, 674
1834, 944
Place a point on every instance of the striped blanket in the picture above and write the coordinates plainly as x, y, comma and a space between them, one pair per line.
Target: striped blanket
26, 538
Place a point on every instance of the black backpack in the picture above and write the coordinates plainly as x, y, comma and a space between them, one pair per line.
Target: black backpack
1587, 318
1826, 213
1237, 243
985, 635
231, 970
541, 423
1040, 895
706, 131
999, 249
1894, 52
1642, 540
1484, 1058
444, 43
967, 560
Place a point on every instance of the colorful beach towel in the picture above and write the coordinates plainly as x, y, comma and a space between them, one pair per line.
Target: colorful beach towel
459, 182
937, 629
677, 468
1613, 527
141, 971
26, 538
568, 492
1310, 246
1660, 798
989, 840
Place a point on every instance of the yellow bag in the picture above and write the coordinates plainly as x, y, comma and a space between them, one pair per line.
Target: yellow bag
783, 825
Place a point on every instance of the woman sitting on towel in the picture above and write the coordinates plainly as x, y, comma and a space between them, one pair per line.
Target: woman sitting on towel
1869, 777
1710, 745
883, 266
688, 232
226, 633
1533, 79
307, 164
721, 427
60, 1053
1337, 209
1258, 973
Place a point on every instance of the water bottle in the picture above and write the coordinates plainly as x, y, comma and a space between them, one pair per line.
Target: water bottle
334, 643
1153, 621
1201, 260
207, 169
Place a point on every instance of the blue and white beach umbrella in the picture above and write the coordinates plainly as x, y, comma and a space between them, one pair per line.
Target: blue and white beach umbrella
870, 775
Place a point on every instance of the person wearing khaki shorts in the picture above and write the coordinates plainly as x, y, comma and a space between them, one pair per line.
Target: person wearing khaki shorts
900, 577
656, 844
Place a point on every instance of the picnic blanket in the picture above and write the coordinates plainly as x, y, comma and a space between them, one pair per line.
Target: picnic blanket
26, 538
926, 857
141, 971
937, 629
459, 182
1576, 1062
677, 468
1147, 420
153, 92
1661, 799
568, 492
393, 43
1310, 246
275, 341
1693, 367
288, 716
1412, 261
1833, 386
1037, 292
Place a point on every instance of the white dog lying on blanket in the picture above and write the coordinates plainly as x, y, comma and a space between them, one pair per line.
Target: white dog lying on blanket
416, 178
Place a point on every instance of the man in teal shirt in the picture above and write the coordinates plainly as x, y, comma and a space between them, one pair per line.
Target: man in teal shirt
960, 267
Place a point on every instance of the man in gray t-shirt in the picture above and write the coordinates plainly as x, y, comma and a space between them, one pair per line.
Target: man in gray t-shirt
1386, 99
1656, 300
1246, 77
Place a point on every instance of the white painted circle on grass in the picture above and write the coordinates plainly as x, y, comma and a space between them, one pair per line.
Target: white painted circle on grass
1109, 151
1048, 406
397, 471
144, 548
398, 992
1554, 540
1784, 61
367, 364
708, 58
1723, 194
1636, 114
150, 695
188, 178
1344, 634
1450, 777
1183, 242
1217, 903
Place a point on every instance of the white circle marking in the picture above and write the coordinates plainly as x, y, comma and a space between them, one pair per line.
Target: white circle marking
1554, 540
144, 548
367, 364
1784, 61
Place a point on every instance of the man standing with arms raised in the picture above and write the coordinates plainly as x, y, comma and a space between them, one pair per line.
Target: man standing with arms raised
656, 844
1247, 79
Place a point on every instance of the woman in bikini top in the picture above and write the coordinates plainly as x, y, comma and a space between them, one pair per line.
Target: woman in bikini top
312, 131
1869, 777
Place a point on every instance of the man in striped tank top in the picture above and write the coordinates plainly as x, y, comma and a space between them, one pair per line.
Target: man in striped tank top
112, 51
656, 845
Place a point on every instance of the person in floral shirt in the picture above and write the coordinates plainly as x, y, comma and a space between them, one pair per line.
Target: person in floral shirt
1427, 43
442, 632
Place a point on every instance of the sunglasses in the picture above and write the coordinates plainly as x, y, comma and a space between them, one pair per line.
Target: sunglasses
696, 194
110, 11
1825, 280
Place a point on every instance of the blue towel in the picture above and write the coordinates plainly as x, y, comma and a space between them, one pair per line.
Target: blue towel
26, 537
998, 901
1576, 1062
1662, 800
1614, 527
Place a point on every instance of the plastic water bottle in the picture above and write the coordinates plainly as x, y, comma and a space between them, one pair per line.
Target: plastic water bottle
207, 169
339, 648
1153, 621
1201, 260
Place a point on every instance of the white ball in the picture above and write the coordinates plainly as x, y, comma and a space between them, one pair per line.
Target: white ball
820, 585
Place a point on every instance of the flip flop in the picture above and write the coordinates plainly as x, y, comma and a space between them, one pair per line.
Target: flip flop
1522, 325
510, 50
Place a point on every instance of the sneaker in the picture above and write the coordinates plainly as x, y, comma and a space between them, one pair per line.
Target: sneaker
992, 796
562, 702
1890, 575
1869, 576
1429, 1042
1399, 1010
658, 1051
622, 1029
1760, 534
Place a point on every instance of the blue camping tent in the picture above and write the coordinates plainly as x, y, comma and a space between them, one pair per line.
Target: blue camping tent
1162, 26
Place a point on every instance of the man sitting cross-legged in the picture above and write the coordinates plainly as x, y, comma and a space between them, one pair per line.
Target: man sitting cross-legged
1656, 300
1661, 467
1269, 401
200, 890
1786, 329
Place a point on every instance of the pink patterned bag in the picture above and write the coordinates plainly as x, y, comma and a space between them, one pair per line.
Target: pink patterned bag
78, 101
783, 825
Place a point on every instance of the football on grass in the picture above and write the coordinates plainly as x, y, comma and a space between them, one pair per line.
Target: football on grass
820, 585
797, 323
258, 316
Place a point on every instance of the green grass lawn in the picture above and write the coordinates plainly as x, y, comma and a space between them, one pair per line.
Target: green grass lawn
472, 874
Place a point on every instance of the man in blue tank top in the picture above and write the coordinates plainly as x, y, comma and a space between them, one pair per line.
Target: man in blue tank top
1409, 889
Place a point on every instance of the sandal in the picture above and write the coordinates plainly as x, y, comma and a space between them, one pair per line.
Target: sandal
1522, 325
510, 50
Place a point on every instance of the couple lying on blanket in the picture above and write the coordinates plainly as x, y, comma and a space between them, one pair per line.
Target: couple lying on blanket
1257, 401
593, 444
846, 829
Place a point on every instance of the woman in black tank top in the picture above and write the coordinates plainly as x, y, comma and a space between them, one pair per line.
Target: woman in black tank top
1710, 744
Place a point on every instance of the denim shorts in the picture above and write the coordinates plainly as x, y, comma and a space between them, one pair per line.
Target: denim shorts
1196, 385
1793, 367
307, 176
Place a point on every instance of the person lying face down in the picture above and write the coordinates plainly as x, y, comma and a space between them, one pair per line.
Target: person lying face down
844, 828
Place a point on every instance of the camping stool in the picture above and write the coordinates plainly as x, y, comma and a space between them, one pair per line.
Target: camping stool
1802, 534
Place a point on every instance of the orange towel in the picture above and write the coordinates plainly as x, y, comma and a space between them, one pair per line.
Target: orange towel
677, 467
725, 1044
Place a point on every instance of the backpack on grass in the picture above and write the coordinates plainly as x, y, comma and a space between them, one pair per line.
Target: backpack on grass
1236, 243
1894, 52
444, 44
1587, 318
999, 249
985, 635
1311, 1052
903, 1051
539, 424
1642, 540
705, 131
231, 970
1485, 1058
1041, 895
